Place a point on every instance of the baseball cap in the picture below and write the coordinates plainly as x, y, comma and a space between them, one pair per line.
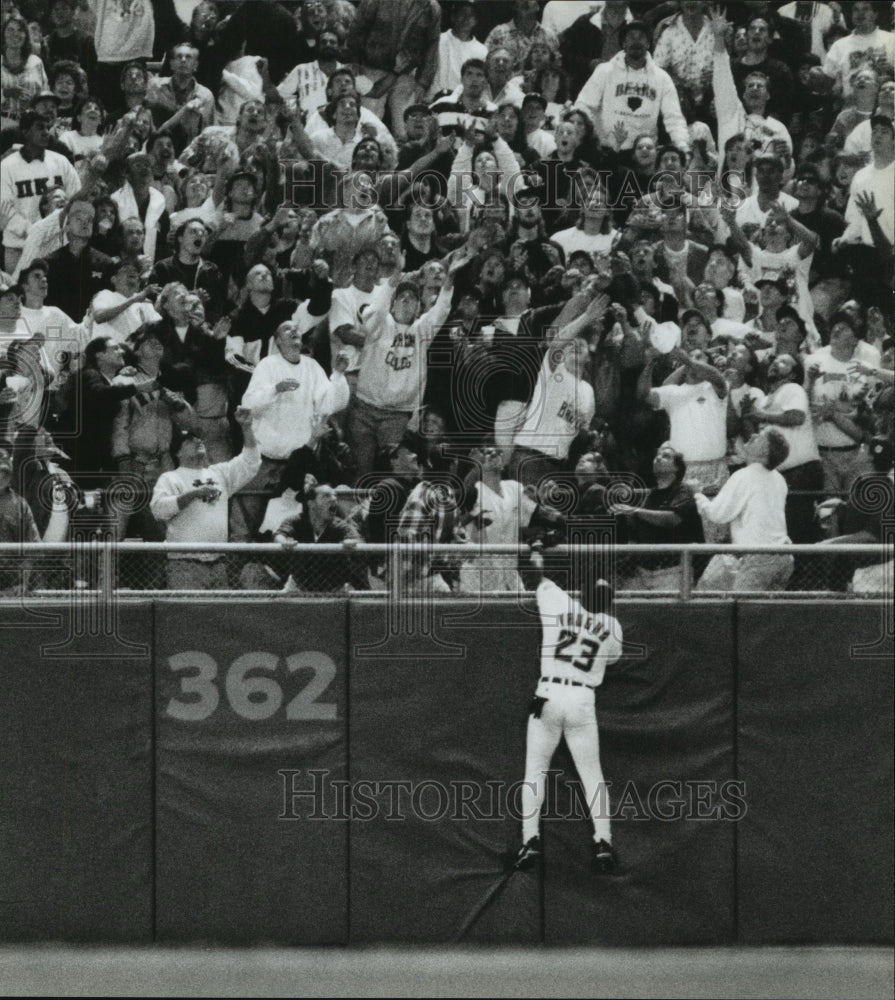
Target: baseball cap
810, 170
789, 312
780, 284
535, 99
577, 255
407, 286
44, 95
630, 26
770, 159
531, 192
689, 314
417, 109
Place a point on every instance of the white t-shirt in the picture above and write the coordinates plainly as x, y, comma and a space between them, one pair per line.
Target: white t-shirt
773, 264
838, 379
750, 214
801, 440
119, 329
881, 184
62, 336
698, 420
508, 511
753, 503
560, 404
847, 54
576, 643
125, 30
576, 239
346, 310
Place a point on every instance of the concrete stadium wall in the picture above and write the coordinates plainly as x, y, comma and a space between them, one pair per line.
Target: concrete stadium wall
329, 772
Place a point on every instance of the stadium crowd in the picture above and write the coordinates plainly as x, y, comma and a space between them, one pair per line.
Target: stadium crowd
445, 271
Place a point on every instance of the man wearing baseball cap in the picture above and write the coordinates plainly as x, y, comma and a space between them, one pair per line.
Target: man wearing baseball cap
626, 96
26, 176
753, 212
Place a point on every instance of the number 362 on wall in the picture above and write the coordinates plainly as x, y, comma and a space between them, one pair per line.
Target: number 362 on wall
254, 696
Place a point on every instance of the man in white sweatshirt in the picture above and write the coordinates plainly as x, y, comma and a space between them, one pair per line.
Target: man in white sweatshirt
625, 96
193, 501
290, 398
392, 375
753, 503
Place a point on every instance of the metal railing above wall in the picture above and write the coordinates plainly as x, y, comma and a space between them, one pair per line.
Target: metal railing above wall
105, 568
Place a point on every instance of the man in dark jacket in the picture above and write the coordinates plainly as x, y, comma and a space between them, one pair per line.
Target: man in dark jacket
319, 523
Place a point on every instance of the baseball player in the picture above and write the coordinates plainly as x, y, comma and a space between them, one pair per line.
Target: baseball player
578, 640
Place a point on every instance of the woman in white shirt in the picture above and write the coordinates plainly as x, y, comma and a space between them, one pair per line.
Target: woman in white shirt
22, 73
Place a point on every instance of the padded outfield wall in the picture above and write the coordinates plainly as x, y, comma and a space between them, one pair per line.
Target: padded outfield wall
323, 772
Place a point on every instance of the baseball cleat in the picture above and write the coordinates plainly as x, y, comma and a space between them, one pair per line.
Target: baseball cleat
528, 855
604, 860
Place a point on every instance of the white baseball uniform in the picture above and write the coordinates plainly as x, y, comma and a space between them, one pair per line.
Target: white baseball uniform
576, 647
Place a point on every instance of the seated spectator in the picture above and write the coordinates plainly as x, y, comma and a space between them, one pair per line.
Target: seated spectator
320, 523
192, 501
753, 503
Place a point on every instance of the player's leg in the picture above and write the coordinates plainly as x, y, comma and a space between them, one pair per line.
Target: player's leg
582, 738
544, 732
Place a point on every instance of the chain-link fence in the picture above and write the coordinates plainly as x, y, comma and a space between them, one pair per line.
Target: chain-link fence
105, 567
